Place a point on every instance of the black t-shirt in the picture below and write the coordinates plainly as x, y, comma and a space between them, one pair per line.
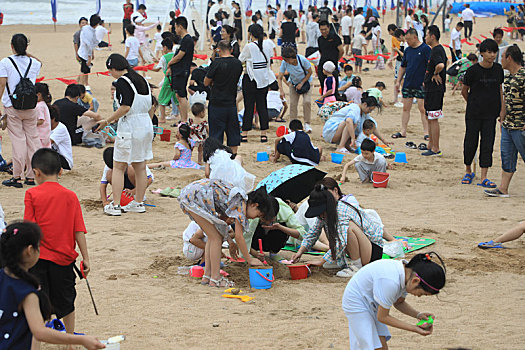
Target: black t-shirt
69, 113
124, 92
399, 57
328, 48
324, 13
437, 56
172, 26
187, 46
288, 29
199, 74
484, 100
225, 73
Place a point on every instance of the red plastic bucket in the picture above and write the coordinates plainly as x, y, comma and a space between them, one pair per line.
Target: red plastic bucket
281, 131
125, 199
380, 179
166, 135
299, 272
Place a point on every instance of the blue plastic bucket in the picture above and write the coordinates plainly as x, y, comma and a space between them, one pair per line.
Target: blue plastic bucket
262, 156
261, 278
337, 158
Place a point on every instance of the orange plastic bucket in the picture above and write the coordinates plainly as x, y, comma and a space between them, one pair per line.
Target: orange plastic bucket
166, 135
299, 272
380, 179
125, 199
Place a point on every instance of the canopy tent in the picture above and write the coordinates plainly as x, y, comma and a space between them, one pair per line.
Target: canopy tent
497, 8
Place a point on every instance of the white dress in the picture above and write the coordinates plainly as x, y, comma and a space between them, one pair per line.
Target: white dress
133, 143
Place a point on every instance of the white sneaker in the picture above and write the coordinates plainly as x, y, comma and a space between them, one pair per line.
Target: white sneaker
307, 128
347, 272
398, 104
112, 210
134, 207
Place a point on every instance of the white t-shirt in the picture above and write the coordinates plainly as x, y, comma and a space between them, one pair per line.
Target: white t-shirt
358, 41
268, 46
100, 33
88, 42
377, 157
447, 23
190, 231
376, 32
273, 100
62, 143
380, 283
104, 179
467, 15
8, 70
408, 22
359, 20
455, 39
346, 23
158, 41
134, 46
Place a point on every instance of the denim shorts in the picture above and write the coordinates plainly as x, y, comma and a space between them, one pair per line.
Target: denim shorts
512, 143
133, 62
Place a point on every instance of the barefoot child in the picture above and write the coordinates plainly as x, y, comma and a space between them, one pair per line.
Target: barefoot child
377, 287
24, 305
214, 205
57, 211
44, 120
297, 146
183, 150
199, 127
367, 162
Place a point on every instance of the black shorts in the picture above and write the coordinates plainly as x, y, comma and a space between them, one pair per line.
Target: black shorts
434, 104
179, 82
346, 39
84, 68
377, 252
284, 147
58, 282
224, 120
64, 163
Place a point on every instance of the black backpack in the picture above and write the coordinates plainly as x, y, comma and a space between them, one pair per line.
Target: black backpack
24, 97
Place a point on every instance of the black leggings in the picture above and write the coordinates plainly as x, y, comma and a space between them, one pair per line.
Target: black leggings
254, 98
476, 127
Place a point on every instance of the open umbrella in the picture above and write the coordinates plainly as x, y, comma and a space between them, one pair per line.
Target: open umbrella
293, 182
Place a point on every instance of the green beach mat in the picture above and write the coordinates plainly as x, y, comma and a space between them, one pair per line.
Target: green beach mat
413, 245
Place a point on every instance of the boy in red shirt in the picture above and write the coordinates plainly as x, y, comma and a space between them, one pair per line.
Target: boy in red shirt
57, 211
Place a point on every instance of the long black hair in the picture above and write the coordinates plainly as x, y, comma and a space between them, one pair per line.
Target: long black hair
431, 274
258, 33
118, 62
320, 194
185, 132
211, 144
20, 42
17, 237
265, 203
43, 89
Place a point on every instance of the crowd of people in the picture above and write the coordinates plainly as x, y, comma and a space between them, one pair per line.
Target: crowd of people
38, 259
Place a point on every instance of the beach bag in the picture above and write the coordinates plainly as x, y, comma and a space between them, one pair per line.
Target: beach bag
306, 86
24, 97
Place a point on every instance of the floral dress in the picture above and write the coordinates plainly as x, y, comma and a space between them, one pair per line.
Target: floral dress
199, 132
218, 202
184, 160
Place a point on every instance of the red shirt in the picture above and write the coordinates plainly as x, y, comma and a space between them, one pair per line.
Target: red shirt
128, 10
57, 211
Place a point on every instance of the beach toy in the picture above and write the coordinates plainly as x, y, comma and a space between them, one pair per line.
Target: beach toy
261, 251
262, 156
426, 324
299, 272
379, 179
109, 131
158, 130
319, 103
125, 199
261, 277
243, 298
113, 343
57, 325
166, 135
401, 157
196, 271
281, 131
337, 158
387, 149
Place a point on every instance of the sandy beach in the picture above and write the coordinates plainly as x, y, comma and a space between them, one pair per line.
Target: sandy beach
135, 257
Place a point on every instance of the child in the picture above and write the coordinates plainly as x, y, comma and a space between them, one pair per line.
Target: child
57, 211
166, 94
199, 127
367, 162
129, 177
158, 41
508, 236
24, 306
297, 146
368, 130
355, 91
358, 49
86, 99
222, 164
380, 62
132, 45
44, 120
378, 286
398, 49
277, 106
329, 87
194, 240
183, 149
348, 78
215, 32
60, 139
455, 42
215, 216
448, 21
377, 92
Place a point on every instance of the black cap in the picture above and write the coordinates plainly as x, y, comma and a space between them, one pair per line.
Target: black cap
315, 209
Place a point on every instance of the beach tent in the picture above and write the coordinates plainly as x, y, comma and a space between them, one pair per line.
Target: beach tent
497, 8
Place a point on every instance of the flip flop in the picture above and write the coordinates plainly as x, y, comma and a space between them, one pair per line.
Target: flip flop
487, 184
490, 245
410, 145
398, 135
422, 146
426, 137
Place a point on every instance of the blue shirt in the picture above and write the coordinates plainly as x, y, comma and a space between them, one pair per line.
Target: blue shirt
415, 61
14, 330
297, 73
353, 111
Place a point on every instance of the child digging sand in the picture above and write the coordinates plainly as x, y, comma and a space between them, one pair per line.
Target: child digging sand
183, 150
297, 146
214, 205
367, 162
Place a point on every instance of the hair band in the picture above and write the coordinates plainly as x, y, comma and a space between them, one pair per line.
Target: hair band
428, 285
15, 231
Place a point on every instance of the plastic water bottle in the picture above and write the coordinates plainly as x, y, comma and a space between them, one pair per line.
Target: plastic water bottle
184, 270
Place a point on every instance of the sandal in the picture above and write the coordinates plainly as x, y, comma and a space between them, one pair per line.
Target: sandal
467, 179
29, 182
410, 145
490, 244
13, 182
398, 135
280, 120
221, 283
487, 183
264, 138
206, 283
426, 137
422, 146
244, 138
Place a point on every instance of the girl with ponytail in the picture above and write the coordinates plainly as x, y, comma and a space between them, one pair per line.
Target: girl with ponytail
44, 119
374, 289
23, 306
